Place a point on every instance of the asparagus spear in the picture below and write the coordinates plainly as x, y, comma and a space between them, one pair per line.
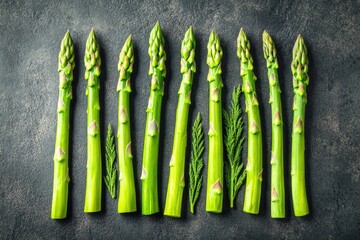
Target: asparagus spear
61, 156
277, 152
234, 173
150, 203
254, 165
214, 193
127, 195
177, 163
299, 69
93, 168
197, 162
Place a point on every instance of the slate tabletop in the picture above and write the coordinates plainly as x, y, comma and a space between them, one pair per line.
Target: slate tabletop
30, 36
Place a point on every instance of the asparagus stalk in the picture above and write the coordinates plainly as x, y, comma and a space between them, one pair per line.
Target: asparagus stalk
197, 162
177, 163
277, 152
233, 121
93, 168
127, 194
299, 69
150, 203
254, 165
61, 156
214, 193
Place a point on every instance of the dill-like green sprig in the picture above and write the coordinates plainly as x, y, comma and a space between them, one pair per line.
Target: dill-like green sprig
197, 162
110, 155
233, 121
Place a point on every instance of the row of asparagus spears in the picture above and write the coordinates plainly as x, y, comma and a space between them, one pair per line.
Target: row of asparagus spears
231, 139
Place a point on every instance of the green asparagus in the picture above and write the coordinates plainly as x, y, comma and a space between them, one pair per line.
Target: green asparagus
197, 162
93, 168
177, 163
254, 165
157, 70
127, 194
61, 156
214, 193
233, 121
299, 69
110, 155
277, 152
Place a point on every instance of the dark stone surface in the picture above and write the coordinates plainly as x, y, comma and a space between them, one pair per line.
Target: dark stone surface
30, 35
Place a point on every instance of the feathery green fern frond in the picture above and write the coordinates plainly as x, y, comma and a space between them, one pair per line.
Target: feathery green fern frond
233, 121
110, 155
197, 162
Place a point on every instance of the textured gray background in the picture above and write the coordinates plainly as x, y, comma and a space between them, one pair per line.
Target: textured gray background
30, 35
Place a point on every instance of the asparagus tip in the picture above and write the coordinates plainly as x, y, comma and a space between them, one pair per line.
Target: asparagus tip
265, 34
155, 31
156, 50
213, 36
300, 59
188, 46
66, 54
189, 32
299, 42
92, 34
126, 59
243, 45
215, 52
156, 27
269, 51
66, 41
267, 40
241, 34
128, 42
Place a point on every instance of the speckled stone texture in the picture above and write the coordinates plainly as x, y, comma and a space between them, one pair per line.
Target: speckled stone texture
30, 35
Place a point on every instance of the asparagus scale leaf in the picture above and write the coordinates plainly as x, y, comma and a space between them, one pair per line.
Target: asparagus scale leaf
299, 69
110, 155
254, 162
150, 202
277, 139
176, 182
61, 156
197, 162
93, 168
127, 194
215, 181
233, 141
